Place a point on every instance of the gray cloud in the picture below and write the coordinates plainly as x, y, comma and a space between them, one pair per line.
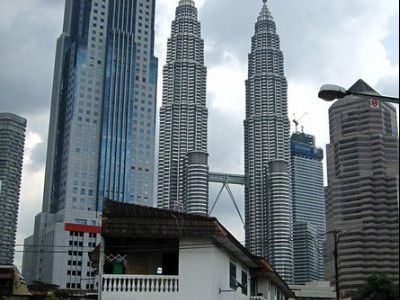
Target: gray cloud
388, 86
312, 32
228, 25
225, 143
392, 40
38, 157
27, 41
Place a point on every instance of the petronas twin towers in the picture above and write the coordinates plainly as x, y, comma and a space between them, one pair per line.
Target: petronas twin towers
268, 205
183, 157
183, 167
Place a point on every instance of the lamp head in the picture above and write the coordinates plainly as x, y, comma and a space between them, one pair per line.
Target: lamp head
330, 92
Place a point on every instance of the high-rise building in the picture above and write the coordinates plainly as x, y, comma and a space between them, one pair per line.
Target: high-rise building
268, 205
102, 131
308, 198
362, 193
12, 141
183, 158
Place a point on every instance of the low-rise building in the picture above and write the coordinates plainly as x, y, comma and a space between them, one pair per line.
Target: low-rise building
12, 284
316, 290
165, 255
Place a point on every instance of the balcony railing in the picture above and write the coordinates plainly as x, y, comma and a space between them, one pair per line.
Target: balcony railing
257, 298
140, 284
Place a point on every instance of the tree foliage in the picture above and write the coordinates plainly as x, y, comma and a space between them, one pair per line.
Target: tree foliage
379, 287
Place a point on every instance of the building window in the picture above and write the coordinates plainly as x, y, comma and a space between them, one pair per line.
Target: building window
232, 276
253, 288
81, 221
244, 283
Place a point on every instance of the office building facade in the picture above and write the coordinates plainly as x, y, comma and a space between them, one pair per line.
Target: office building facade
102, 131
268, 205
12, 141
362, 193
308, 198
183, 157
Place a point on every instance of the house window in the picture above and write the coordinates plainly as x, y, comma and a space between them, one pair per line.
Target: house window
252, 287
232, 276
244, 283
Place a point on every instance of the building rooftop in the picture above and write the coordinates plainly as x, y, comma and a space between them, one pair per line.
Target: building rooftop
12, 117
362, 87
315, 290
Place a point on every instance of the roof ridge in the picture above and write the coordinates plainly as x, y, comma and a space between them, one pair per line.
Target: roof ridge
362, 87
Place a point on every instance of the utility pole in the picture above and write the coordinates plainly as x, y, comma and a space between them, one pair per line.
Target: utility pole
101, 267
336, 237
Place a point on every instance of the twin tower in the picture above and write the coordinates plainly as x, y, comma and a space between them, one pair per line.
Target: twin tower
183, 159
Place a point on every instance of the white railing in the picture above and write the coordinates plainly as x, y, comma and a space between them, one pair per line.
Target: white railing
140, 284
257, 298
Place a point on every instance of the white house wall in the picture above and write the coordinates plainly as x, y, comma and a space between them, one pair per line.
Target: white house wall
204, 268
203, 271
268, 289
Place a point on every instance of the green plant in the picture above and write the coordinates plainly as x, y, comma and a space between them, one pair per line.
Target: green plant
378, 287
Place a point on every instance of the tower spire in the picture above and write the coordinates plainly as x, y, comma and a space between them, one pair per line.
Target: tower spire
265, 14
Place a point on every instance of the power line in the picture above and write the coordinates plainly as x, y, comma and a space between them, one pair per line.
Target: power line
111, 246
124, 249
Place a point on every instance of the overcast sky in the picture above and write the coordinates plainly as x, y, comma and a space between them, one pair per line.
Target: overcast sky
323, 41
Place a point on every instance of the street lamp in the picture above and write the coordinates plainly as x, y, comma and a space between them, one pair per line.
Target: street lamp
330, 92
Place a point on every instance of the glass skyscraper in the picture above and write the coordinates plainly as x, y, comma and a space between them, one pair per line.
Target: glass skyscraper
12, 141
268, 205
102, 128
308, 198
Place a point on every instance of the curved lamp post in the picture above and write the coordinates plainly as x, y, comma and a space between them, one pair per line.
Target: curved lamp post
331, 92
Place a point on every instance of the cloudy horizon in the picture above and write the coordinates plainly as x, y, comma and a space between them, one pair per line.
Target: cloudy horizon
322, 41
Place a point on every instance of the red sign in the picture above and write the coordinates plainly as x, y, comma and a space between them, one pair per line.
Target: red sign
375, 103
82, 228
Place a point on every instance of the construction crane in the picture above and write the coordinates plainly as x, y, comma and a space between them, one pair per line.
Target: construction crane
297, 121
